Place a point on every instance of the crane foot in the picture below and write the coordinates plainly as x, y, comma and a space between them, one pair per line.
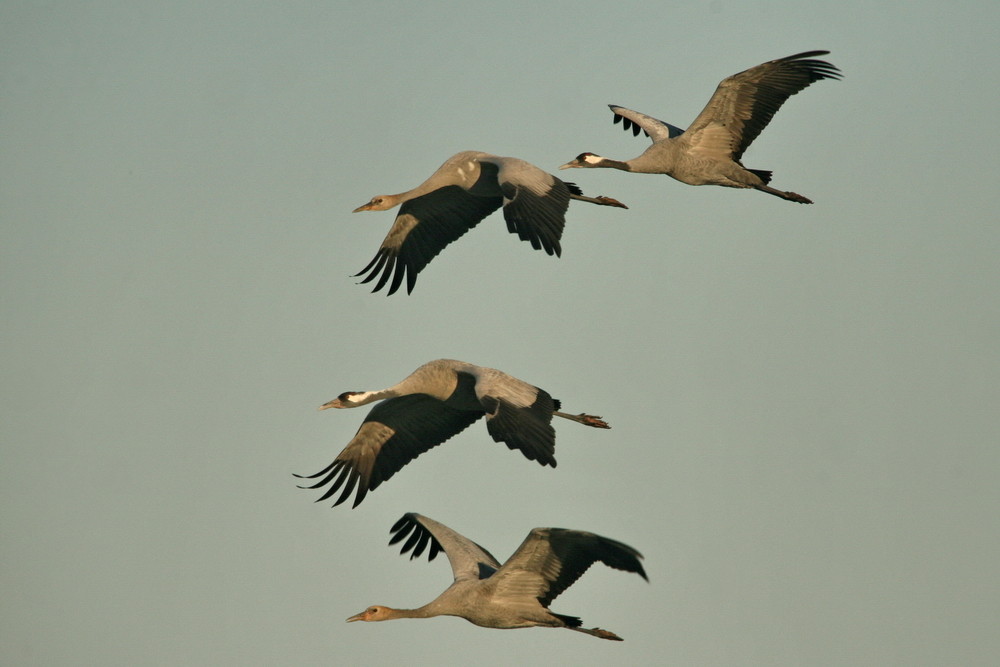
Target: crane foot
593, 420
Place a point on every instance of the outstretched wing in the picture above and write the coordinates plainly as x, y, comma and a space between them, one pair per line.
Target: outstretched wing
518, 414
468, 559
744, 103
525, 428
424, 226
657, 130
534, 201
550, 560
395, 432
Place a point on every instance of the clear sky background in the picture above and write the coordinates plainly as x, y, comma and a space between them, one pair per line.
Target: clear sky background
804, 399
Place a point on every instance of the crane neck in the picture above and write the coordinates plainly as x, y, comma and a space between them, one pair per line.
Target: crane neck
419, 612
366, 397
614, 164
422, 189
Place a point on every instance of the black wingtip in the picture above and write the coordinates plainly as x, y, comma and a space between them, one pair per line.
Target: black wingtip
339, 477
397, 529
808, 54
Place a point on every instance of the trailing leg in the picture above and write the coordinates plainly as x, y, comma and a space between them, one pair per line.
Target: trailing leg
588, 420
599, 632
790, 196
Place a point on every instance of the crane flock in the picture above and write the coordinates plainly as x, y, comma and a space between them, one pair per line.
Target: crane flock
444, 397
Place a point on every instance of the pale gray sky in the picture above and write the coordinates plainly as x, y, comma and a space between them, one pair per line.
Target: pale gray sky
803, 398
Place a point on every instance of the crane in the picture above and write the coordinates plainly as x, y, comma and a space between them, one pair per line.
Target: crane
463, 191
438, 400
709, 151
516, 594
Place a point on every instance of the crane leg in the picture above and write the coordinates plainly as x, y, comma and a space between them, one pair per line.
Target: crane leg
600, 201
599, 632
588, 420
790, 196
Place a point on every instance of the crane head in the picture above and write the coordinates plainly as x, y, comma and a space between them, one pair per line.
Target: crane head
377, 203
342, 401
583, 160
373, 613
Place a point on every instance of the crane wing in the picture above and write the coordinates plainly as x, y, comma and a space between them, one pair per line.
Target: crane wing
394, 432
518, 414
468, 559
527, 429
534, 201
657, 130
743, 104
424, 226
550, 560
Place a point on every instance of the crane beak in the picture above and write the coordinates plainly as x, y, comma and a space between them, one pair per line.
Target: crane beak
356, 617
571, 164
335, 403
366, 207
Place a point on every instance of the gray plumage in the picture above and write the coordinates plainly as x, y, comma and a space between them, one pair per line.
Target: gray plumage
710, 150
465, 189
516, 594
435, 402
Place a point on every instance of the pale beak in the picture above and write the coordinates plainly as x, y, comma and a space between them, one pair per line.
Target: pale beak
357, 617
570, 165
366, 207
335, 403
